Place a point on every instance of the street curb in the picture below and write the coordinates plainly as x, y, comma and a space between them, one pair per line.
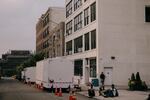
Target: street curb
87, 96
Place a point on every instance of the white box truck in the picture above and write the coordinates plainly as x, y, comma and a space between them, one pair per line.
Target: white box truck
55, 72
29, 74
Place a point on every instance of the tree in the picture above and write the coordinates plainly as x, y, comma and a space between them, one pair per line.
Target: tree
29, 62
33, 59
138, 76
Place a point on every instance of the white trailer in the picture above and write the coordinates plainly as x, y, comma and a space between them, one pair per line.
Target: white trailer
29, 74
55, 72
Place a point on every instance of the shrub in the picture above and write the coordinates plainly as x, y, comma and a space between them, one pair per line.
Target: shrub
132, 77
137, 83
138, 76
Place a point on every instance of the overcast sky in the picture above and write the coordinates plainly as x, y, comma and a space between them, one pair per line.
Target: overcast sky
17, 22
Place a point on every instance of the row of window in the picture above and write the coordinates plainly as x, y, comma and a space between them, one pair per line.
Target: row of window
89, 15
76, 3
89, 43
78, 67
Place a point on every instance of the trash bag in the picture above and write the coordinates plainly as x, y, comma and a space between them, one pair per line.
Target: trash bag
91, 92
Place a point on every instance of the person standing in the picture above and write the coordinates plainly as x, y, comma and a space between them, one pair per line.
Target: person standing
102, 77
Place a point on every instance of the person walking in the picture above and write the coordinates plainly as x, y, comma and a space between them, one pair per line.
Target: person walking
102, 78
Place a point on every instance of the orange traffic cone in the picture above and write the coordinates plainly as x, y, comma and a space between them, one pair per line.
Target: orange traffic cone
74, 97
70, 97
60, 92
56, 92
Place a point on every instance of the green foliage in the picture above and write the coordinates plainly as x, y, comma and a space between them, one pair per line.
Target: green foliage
137, 83
33, 59
132, 77
138, 77
30, 62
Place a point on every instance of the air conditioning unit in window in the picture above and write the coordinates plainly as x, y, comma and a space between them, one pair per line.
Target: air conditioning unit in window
70, 52
79, 49
87, 66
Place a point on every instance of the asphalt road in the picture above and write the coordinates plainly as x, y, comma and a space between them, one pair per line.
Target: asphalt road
15, 90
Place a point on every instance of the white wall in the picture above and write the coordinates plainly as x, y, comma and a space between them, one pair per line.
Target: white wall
124, 34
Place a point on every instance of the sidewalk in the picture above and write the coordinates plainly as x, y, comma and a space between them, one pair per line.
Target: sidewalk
123, 95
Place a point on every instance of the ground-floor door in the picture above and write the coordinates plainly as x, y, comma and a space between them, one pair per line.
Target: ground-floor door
108, 71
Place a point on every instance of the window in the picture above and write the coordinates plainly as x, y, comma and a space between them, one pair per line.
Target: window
69, 48
46, 32
47, 54
54, 52
46, 20
86, 36
78, 67
46, 44
69, 9
58, 50
77, 4
86, 16
147, 14
78, 45
93, 12
69, 28
58, 34
93, 39
93, 67
78, 22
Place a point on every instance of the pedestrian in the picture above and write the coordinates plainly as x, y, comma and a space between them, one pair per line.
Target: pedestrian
114, 91
102, 78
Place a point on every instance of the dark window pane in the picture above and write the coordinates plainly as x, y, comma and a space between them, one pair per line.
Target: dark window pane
93, 12
69, 9
147, 14
93, 67
69, 48
69, 28
86, 16
78, 44
78, 68
93, 39
78, 22
86, 41
77, 4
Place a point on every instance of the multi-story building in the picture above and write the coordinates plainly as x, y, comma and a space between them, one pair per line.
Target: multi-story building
50, 32
110, 36
11, 60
